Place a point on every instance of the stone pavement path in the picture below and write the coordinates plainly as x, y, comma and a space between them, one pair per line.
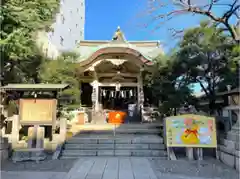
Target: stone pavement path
32, 175
121, 168
205, 169
112, 168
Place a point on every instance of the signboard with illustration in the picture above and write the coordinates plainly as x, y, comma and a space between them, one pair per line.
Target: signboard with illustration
191, 131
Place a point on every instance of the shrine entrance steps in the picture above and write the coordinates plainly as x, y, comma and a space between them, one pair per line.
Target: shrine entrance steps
141, 140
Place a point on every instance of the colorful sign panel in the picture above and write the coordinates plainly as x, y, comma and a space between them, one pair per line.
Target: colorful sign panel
191, 131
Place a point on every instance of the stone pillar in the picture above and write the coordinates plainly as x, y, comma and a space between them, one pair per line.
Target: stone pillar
229, 103
40, 137
97, 98
15, 130
31, 136
140, 92
95, 95
63, 129
80, 87
3, 148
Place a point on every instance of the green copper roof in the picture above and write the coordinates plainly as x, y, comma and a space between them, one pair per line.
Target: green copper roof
118, 40
148, 52
34, 87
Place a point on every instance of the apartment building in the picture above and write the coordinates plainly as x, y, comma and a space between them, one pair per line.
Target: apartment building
68, 29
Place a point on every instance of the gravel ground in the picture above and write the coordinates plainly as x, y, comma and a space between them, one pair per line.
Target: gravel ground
42, 166
208, 168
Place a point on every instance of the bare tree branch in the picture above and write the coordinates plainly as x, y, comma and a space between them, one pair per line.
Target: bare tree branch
233, 9
187, 6
210, 6
176, 33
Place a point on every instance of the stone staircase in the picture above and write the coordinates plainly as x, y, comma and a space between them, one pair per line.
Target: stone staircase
126, 140
229, 148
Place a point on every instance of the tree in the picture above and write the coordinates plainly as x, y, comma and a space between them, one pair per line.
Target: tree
19, 23
205, 55
229, 20
62, 70
168, 86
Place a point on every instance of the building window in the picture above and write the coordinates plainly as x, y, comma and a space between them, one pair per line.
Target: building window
81, 17
77, 10
61, 40
70, 30
71, 11
76, 25
62, 19
81, 33
76, 41
81, 3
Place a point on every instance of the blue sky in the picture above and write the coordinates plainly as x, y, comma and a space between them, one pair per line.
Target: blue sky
103, 17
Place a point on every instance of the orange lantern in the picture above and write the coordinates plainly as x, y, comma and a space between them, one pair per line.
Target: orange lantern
116, 117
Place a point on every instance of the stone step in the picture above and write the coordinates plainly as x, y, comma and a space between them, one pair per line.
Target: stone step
140, 146
136, 131
139, 153
115, 126
114, 146
78, 153
136, 140
72, 157
88, 146
119, 131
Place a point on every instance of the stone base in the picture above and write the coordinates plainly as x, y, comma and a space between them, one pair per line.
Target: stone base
3, 154
26, 155
57, 152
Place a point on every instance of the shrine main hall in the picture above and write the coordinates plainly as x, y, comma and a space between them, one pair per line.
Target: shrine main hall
113, 71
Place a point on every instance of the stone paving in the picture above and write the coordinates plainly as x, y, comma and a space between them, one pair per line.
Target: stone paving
209, 168
32, 175
42, 166
118, 168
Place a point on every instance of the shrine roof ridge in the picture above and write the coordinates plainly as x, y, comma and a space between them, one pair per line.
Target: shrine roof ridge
82, 42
